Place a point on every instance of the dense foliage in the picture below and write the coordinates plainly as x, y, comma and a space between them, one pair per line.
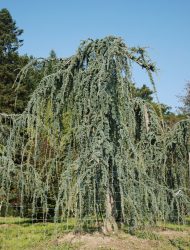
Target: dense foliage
185, 109
10, 65
86, 145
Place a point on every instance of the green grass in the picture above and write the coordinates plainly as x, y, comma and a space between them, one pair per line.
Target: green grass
181, 244
17, 233
146, 234
175, 227
21, 234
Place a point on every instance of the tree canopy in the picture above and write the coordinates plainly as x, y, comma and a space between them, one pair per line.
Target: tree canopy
10, 65
86, 146
186, 100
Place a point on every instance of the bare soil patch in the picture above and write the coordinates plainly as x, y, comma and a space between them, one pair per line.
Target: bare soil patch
114, 242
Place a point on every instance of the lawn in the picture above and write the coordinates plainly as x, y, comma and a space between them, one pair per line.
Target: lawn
18, 233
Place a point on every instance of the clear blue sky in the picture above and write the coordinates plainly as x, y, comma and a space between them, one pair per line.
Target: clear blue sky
162, 25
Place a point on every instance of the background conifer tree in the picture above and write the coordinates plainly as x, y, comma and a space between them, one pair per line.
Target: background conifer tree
10, 65
185, 109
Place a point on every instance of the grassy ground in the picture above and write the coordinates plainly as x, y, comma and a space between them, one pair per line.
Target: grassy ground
17, 233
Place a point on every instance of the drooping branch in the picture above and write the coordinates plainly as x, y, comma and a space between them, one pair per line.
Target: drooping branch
86, 147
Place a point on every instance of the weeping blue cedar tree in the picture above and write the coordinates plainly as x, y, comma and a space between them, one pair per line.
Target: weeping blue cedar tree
89, 148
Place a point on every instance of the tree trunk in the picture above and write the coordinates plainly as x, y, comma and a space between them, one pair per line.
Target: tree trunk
146, 118
110, 224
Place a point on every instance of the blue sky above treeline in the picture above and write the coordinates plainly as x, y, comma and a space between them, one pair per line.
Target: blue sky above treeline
162, 26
